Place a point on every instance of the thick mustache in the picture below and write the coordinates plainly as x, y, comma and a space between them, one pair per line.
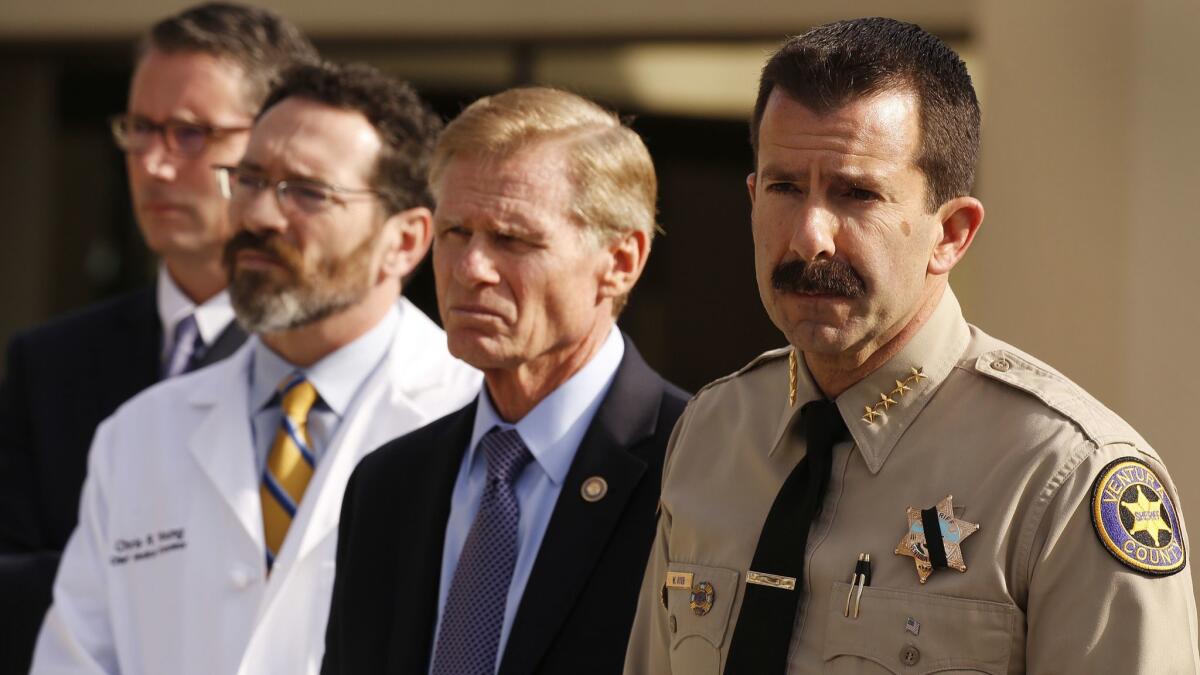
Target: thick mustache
822, 277
270, 245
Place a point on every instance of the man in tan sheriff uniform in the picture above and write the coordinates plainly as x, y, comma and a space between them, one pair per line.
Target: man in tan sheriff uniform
977, 511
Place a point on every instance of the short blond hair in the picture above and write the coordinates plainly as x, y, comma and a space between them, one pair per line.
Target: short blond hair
615, 186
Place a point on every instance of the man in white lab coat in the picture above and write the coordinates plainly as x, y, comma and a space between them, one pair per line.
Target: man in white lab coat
208, 522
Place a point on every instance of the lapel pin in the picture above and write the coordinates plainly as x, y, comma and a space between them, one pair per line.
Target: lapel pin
701, 599
913, 626
934, 538
594, 489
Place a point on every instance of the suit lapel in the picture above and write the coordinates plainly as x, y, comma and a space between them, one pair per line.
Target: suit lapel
420, 572
226, 343
380, 413
221, 443
579, 530
128, 361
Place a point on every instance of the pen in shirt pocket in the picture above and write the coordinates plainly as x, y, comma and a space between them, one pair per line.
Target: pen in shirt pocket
860, 579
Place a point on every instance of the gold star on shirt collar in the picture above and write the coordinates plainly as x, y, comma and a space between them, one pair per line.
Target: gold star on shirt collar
885, 401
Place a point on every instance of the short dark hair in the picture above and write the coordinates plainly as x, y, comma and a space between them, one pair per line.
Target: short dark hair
405, 124
259, 41
832, 65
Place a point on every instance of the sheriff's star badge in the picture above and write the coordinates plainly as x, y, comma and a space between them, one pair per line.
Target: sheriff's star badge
940, 550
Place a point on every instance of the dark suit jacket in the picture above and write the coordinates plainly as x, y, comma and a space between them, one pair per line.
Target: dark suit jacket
575, 615
63, 378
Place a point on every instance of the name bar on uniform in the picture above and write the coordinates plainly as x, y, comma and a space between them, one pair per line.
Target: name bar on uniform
772, 580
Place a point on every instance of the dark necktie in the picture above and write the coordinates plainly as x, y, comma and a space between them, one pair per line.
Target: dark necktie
764, 627
469, 636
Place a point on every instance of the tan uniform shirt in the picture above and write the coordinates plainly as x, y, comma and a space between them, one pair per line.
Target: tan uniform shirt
959, 413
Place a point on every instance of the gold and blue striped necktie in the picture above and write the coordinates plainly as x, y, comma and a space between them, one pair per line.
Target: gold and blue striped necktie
290, 463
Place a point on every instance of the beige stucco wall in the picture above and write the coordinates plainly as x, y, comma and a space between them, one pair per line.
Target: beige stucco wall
1089, 173
487, 18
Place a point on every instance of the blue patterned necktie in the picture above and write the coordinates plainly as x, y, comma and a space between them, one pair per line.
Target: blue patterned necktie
474, 614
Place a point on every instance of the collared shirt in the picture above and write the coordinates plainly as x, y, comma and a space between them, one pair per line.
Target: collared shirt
956, 418
552, 431
212, 317
337, 378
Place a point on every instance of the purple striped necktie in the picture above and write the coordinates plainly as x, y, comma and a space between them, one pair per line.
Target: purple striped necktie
183, 347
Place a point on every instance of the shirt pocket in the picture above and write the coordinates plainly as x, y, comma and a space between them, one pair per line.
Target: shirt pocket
698, 634
914, 633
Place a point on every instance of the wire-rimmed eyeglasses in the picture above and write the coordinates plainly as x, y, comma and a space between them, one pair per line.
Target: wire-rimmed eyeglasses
303, 196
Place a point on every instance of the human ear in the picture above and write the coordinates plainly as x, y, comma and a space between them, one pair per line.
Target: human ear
409, 234
626, 258
960, 219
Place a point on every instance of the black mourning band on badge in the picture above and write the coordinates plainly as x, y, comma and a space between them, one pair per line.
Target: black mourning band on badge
933, 538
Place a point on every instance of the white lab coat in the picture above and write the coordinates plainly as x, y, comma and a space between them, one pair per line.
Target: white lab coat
165, 573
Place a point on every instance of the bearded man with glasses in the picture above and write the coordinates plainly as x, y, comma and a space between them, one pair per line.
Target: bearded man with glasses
200, 77
209, 518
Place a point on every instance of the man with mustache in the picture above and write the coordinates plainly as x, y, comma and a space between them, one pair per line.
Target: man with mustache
200, 76
897, 491
209, 516
510, 536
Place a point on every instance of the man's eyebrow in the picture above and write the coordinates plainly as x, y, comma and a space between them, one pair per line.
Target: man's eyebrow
292, 176
780, 173
515, 227
857, 179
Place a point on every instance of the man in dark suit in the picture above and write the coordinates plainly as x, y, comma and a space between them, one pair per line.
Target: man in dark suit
512, 534
201, 76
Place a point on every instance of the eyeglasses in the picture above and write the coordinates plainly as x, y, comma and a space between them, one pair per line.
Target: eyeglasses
135, 134
303, 196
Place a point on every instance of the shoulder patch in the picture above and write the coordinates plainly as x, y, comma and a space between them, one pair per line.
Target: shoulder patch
1135, 519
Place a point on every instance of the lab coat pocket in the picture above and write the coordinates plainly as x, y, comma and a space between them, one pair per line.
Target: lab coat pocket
914, 633
699, 617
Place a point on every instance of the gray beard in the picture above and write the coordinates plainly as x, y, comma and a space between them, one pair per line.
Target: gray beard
260, 310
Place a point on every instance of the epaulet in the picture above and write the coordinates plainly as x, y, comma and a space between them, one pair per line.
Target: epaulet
1054, 389
758, 361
